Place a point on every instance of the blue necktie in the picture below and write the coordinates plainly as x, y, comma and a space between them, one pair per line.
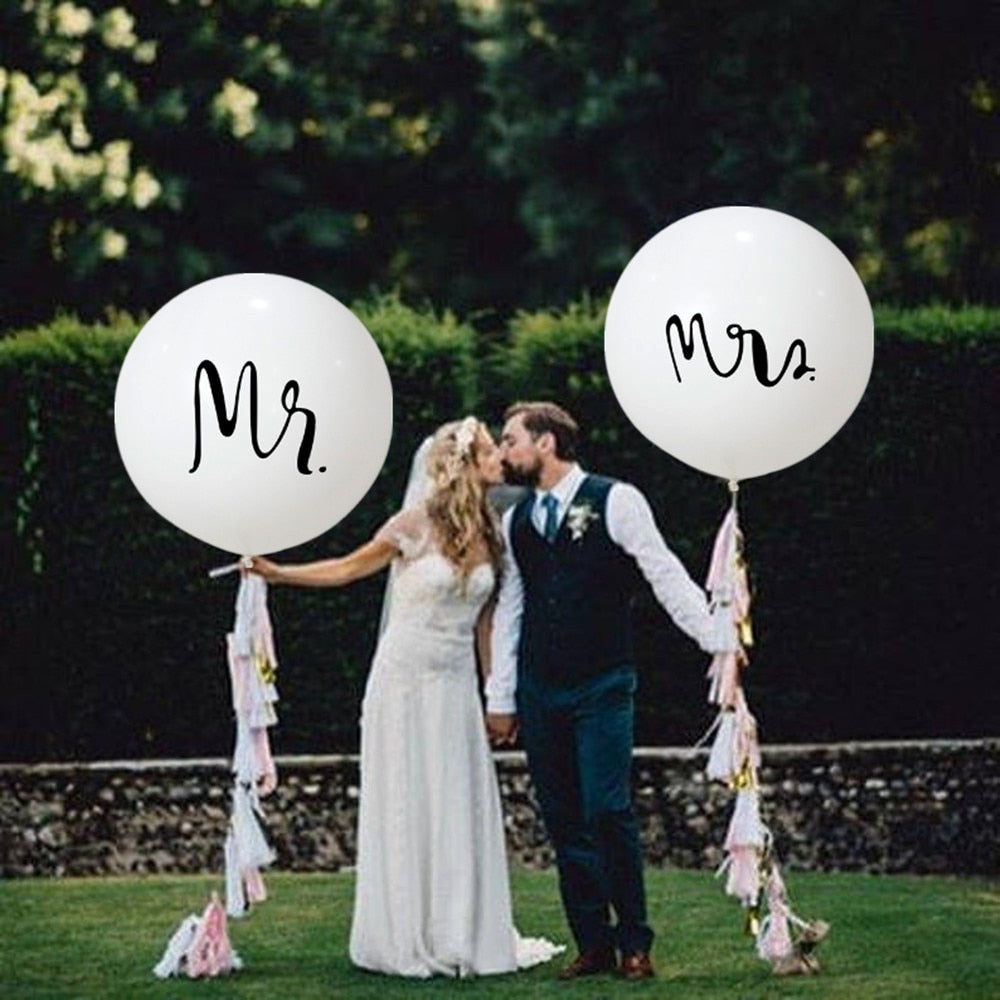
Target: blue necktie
551, 505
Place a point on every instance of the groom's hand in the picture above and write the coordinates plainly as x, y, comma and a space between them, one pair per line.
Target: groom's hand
502, 729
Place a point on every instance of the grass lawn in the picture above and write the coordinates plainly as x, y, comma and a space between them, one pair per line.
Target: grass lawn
892, 938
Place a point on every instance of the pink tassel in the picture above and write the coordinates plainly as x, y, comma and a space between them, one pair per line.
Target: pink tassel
727, 578
730, 592
747, 746
210, 953
775, 943
265, 772
745, 841
254, 885
253, 697
743, 868
723, 672
776, 885
775, 939
723, 553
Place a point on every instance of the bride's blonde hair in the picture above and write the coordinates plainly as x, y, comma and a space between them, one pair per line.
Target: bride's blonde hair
458, 505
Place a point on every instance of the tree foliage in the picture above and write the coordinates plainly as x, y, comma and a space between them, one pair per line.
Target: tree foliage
872, 126
490, 154
871, 564
324, 140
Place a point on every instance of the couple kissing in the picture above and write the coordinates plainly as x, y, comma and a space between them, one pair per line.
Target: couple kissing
540, 600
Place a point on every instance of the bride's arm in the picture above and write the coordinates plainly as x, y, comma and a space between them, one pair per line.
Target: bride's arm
364, 561
484, 632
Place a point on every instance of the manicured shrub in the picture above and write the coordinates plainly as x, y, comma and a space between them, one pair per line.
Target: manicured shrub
872, 562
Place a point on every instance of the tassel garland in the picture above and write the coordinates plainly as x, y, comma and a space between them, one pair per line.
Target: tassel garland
252, 667
752, 874
200, 947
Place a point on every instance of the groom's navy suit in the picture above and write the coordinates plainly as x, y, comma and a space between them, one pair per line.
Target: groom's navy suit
575, 681
574, 697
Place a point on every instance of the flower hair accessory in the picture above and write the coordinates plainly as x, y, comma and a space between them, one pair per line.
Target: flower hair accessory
465, 435
454, 457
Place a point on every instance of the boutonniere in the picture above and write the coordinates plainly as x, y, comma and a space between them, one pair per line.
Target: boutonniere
579, 518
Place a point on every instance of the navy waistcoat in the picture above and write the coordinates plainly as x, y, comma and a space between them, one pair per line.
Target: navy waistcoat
577, 592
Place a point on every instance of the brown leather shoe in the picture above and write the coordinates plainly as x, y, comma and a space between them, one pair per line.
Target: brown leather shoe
590, 963
637, 966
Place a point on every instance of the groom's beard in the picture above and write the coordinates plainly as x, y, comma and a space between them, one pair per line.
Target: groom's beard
514, 476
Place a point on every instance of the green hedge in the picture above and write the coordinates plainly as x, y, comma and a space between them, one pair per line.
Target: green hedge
872, 562
112, 635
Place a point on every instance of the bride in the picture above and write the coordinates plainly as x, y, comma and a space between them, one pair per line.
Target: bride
432, 895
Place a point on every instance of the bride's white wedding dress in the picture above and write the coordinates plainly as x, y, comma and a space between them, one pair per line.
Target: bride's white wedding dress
432, 895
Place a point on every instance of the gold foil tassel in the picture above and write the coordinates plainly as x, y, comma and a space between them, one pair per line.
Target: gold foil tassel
744, 778
265, 667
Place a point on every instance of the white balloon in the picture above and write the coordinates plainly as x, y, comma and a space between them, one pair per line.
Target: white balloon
253, 411
739, 340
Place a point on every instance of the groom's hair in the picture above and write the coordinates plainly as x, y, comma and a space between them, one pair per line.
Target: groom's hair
545, 417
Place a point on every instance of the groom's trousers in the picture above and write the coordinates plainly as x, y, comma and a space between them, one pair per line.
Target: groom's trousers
578, 742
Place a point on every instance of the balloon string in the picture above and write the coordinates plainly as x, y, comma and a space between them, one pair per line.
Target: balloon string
245, 563
734, 489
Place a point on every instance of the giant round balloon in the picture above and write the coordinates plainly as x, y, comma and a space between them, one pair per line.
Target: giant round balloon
739, 340
253, 411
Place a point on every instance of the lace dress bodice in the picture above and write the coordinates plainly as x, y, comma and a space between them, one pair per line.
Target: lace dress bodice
428, 593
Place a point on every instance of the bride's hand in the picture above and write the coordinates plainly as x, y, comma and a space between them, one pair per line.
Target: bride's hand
502, 729
270, 571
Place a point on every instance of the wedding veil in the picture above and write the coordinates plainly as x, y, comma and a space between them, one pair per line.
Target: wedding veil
418, 489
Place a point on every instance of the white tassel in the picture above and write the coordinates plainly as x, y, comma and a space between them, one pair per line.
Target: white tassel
725, 634
251, 597
244, 757
246, 851
236, 901
735, 747
746, 828
723, 760
742, 865
252, 847
174, 956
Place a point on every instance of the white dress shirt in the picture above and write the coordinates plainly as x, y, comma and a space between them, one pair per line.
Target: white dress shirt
631, 526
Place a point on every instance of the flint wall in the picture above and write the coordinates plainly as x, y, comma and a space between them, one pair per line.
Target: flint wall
878, 807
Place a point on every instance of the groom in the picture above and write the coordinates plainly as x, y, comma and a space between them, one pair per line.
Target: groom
563, 674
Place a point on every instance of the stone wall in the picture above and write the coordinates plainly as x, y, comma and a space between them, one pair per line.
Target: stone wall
878, 807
